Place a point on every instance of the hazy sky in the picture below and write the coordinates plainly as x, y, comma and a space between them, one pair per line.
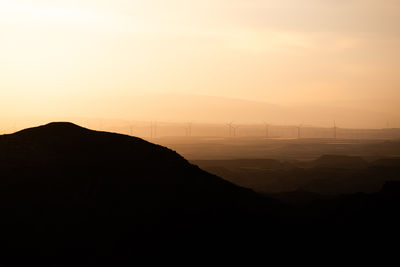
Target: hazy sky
71, 56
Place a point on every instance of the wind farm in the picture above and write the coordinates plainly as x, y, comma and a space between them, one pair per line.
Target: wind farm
198, 131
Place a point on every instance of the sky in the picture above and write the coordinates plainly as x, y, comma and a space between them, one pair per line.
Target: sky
86, 57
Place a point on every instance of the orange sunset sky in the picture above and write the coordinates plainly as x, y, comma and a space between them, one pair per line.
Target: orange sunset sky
103, 58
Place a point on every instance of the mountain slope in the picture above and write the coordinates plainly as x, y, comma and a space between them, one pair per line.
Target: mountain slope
63, 154
74, 197
63, 187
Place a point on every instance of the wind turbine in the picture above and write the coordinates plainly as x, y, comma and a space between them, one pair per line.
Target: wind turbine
153, 129
234, 130
266, 129
334, 129
299, 131
230, 128
189, 125
188, 129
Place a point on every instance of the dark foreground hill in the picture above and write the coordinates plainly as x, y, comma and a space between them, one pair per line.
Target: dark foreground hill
75, 197
66, 188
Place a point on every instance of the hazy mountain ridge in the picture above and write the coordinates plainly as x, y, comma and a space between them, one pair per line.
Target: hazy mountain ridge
69, 195
328, 174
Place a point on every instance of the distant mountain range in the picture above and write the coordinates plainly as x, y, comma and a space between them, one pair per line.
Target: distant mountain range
327, 175
75, 197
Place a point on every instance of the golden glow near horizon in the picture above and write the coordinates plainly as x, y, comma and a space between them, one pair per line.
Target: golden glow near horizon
70, 57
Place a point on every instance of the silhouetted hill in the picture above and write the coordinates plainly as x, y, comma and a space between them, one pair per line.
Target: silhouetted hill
65, 185
340, 161
329, 174
299, 197
70, 196
387, 162
68, 145
264, 164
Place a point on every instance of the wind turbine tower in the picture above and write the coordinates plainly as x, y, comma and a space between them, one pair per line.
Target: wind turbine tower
266, 130
230, 126
299, 131
188, 129
235, 128
334, 130
153, 129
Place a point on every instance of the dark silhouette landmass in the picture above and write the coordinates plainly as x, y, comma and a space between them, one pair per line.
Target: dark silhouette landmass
327, 175
289, 150
70, 196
